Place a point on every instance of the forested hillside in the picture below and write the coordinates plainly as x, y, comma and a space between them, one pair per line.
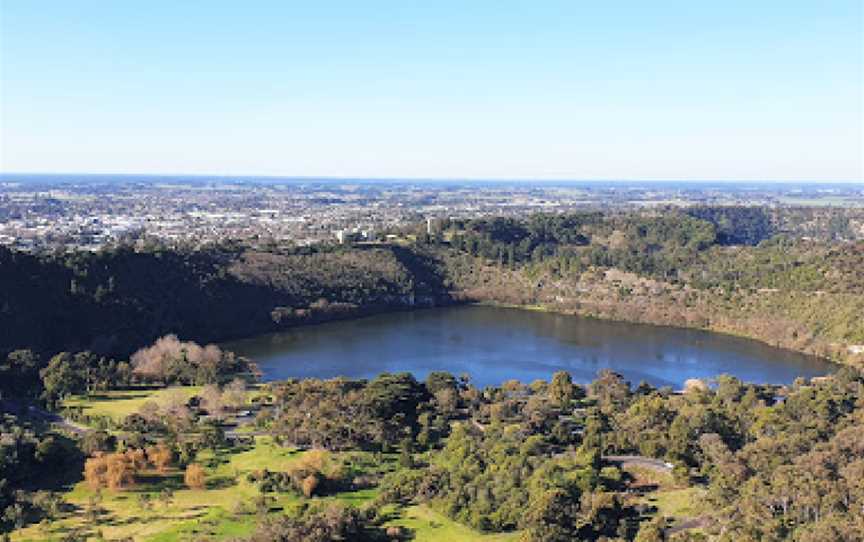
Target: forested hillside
114, 301
724, 269
727, 272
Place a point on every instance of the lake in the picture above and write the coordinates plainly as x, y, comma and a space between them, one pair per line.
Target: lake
496, 344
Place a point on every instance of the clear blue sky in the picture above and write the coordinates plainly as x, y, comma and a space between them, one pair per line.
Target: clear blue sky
691, 89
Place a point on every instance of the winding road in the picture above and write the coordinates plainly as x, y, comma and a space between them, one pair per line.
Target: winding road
35, 413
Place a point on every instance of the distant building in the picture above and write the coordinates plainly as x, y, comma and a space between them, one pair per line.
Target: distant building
345, 236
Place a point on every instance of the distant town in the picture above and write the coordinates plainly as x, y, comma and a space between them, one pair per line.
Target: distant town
87, 212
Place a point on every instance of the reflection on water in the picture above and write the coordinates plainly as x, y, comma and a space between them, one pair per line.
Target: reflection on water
494, 344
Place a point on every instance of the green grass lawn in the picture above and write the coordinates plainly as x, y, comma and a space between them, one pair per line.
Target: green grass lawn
677, 503
671, 500
117, 404
644, 475
225, 508
124, 517
191, 512
431, 526
121, 403
214, 512
266, 454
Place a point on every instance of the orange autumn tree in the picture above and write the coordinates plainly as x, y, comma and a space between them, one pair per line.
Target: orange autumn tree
314, 468
96, 471
160, 456
137, 457
194, 477
309, 484
113, 471
121, 471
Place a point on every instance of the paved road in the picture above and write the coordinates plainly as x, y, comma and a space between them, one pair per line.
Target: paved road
639, 461
657, 465
36, 413
694, 523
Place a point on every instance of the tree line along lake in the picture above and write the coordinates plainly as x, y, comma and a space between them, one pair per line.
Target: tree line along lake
493, 344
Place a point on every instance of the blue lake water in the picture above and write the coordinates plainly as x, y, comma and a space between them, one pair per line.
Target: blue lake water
497, 344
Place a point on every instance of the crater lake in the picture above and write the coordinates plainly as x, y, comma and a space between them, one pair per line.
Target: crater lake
494, 344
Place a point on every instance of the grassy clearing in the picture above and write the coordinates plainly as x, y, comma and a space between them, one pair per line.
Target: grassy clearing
121, 403
117, 404
124, 517
670, 499
189, 514
266, 454
643, 476
216, 524
225, 508
677, 503
210, 512
214, 512
431, 526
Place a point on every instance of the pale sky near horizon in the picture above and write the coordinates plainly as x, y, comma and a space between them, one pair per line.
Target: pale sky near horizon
754, 90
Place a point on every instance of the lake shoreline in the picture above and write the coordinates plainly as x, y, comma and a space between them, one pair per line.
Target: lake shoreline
719, 331
490, 341
371, 311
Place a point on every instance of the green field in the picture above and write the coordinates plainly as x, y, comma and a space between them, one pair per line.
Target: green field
226, 507
670, 499
121, 403
212, 511
223, 510
427, 525
678, 503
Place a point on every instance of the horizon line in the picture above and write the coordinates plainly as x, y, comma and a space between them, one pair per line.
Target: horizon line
425, 178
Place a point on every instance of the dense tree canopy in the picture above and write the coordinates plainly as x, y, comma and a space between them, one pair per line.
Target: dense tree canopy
775, 463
